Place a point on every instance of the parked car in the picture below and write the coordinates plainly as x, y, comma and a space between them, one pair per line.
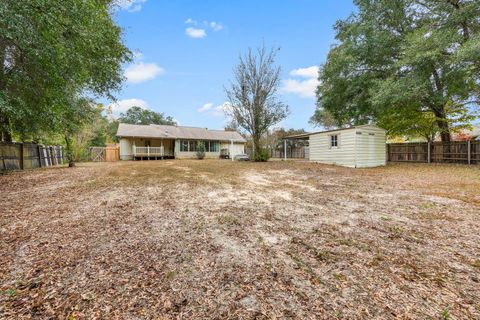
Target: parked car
241, 157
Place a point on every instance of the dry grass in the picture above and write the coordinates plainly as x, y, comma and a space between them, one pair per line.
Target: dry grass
216, 239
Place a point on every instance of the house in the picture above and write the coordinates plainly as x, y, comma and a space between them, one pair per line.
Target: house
356, 147
164, 141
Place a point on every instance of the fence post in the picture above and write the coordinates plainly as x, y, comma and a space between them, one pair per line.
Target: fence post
21, 156
469, 151
428, 152
39, 156
285, 149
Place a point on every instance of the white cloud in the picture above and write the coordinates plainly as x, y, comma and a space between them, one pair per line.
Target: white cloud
198, 32
131, 5
140, 72
195, 32
123, 105
221, 109
217, 111
306, 87
216, 26
205, 107
310, 72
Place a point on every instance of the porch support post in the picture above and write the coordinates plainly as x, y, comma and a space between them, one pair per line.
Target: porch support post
285, 149
161, 149
231, 149
134, 147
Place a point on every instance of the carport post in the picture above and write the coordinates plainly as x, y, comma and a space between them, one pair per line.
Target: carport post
469, 151
285, 149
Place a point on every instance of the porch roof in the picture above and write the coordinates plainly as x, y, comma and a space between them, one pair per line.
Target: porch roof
176, 132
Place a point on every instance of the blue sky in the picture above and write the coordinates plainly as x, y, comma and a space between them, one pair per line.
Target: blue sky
185, 52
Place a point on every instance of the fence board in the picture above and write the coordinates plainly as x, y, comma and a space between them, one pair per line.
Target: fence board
15, 156
441, 152
99, 154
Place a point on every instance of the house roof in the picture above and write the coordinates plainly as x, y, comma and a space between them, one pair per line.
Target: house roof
308, 134
176, 132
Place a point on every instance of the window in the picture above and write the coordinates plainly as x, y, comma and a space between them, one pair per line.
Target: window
184, 146
334, 141
191, 146
212, 146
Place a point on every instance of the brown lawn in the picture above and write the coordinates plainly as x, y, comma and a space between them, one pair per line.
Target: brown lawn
216, 239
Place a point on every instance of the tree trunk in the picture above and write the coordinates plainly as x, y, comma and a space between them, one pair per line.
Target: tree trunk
256, 146
69, 151
5, 133
442, 123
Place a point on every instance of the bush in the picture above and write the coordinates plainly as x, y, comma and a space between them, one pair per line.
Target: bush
200, 150
262, 156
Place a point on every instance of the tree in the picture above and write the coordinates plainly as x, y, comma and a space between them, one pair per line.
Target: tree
200, 150
138, 115
275, 138
255, 106
325, 119
404, 60
53, 54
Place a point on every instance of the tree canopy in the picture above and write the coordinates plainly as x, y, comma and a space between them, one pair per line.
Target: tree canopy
55, 57
254, 104
411, 66
138, 115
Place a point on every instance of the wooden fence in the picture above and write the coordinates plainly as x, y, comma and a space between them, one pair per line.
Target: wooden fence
467, 152
104, 154
19, 156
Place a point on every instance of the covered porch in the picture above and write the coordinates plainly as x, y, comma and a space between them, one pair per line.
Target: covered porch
147, 148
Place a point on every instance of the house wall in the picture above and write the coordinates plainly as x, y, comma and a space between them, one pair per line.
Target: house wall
343, 155
371, 147
126, 152
236, 149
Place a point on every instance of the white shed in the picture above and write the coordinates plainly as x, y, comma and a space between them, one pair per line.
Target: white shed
356, 147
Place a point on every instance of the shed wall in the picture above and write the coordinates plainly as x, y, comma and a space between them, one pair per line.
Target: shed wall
344, 154
370, 147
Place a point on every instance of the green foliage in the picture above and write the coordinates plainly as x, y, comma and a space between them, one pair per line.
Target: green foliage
137, 115
200, 150
55, 54
396, 63
262, 155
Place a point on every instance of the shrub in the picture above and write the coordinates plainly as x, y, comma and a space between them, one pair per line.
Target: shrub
262, 156
200, 150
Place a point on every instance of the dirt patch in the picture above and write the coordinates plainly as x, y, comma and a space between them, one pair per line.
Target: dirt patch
222, 239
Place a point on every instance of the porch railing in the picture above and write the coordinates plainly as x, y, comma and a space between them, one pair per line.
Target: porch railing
149, 151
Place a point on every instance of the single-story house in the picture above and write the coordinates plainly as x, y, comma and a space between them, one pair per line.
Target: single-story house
356, 147
165, 141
